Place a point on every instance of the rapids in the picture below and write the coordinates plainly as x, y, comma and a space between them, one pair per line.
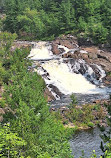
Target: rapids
64, 76
67, 74
66, 81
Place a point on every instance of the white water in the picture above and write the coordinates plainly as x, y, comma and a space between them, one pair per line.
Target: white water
63, 47
66, 81
87, 71
61, 74
40, 52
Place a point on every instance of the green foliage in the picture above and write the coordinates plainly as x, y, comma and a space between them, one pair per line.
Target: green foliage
46, 155
10, 144
39, 19
33, 131
1, 24
73, 99
97, 32
2, 73
90, 124
79, 114
30, 23
76, 114
107, 136
6, 40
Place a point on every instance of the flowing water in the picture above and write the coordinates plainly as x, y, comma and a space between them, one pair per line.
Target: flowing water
86, 141
64, 76
67, 75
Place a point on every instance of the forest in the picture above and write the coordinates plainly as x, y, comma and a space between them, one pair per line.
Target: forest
38, 19
28, 129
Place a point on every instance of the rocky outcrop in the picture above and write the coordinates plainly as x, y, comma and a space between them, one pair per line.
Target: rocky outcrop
22, 44
93, 55
89, 53
48, 95
67, 41
55, 49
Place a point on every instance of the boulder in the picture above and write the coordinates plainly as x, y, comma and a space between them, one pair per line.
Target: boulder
104, 55
55, 89
48, 95
55, 49
92, 55
67, 44
92, 49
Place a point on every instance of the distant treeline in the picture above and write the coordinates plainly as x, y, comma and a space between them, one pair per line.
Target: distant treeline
50, 18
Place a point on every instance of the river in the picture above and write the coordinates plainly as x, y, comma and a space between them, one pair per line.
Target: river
71, 76
86, 141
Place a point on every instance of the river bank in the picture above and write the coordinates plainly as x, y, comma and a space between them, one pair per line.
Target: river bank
83, 58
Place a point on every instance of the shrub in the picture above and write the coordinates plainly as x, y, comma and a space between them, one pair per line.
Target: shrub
91, 124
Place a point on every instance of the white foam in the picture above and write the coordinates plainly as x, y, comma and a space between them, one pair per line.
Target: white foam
66, 81
40, 52
61, 74
65, 48
83, 51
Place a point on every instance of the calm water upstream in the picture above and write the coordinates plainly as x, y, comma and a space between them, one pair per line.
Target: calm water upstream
86, 141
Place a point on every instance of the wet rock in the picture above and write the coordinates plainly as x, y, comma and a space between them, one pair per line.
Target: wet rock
57, 41
82, 70
92, 49
107, 81
56, 90
61, 50
95, 69
48, 95
55, 49
103, 63
84, 56
67, 55
67, 44
21, 44
65, 40
104, 55
92, 56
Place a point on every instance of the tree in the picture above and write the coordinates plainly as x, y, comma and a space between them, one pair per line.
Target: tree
31, 23
67, 15
10, 144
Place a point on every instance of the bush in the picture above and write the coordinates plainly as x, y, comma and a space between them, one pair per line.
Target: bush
91, 124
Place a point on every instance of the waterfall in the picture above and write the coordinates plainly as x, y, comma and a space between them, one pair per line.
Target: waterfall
68, 75
66, 81
41, 51
81, 67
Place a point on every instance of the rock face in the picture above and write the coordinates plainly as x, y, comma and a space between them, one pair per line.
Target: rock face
67, 41
90, 54
101, 58
55, 49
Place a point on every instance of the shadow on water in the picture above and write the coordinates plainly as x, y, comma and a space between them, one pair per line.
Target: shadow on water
86, 141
